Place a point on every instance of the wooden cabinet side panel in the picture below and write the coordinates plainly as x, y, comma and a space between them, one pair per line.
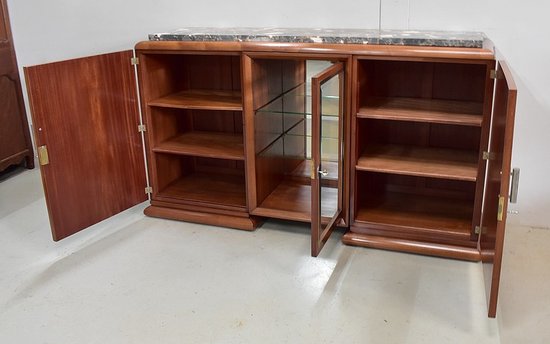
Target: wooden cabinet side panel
85, 112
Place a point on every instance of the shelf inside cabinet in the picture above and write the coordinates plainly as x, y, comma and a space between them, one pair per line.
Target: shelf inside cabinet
204, 144
207, 187
298, 101
420, 161
423, 110
418, 213
201, 100
292, 200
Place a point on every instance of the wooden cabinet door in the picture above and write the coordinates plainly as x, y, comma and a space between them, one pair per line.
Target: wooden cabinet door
497, 185
86, 118
327, 89
15, 141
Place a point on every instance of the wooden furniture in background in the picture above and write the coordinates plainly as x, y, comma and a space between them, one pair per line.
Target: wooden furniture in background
15, 141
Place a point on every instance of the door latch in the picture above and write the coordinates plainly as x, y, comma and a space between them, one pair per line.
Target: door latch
43, 158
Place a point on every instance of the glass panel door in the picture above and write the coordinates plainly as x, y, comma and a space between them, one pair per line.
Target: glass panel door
327, 153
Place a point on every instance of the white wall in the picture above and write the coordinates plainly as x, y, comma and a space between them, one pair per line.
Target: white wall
46, 31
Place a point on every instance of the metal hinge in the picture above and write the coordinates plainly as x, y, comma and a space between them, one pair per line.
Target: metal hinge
134, 61
43, 158
500, 211
148, 190
142, 128
488, 155
493, 74
480, 230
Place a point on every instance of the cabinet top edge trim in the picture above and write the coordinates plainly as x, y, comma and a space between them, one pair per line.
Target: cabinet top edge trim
317, 48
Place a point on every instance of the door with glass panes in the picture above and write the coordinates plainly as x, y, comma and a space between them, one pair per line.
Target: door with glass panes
294, 117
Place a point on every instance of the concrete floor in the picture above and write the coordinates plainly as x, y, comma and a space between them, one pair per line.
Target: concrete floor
133, 279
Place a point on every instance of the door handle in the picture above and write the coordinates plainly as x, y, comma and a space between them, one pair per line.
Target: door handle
515, 185
323, 172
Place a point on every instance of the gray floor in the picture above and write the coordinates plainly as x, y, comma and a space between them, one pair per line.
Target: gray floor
133, 279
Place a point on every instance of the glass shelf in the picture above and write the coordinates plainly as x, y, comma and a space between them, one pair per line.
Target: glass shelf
298, 101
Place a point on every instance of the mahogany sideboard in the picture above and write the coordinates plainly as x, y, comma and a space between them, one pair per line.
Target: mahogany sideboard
406, 146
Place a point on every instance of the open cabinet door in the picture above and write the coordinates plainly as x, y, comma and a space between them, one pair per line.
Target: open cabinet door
327, 89
85, 119
497, 185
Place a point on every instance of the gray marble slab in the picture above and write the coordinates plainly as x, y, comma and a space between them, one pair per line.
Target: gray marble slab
335, 36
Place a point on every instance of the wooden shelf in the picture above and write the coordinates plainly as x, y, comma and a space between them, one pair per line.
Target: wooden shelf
423, 110
201, 100
418, 213
291, 200
205, 144
420, 161
216, 188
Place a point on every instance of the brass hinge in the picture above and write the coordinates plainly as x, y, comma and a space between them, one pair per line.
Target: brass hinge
43, 158
148, 190
488, 155
480, 230
134, 61
500, 211
313, 174
142, 128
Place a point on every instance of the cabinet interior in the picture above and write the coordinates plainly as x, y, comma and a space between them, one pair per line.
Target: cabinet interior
283, 133
193, 105
418, 142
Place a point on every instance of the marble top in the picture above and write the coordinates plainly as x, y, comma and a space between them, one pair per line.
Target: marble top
464, 39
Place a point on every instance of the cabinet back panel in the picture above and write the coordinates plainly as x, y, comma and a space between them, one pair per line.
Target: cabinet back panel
171, 168
172, 122
418, 134
370, 183
171, 73
430, 80
270, 169
273, 77
219, 121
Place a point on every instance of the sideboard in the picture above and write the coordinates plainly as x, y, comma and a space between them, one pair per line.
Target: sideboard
402, 138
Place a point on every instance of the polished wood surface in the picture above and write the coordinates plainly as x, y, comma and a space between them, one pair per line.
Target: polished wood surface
416, 125
193, 108
411, 246
89, 125
431, 215
376, 51
420, 118
204, 144
201, 100
491, 241
15, 142
291, 200
420, 161
218, 188
419, 134
423, 110
245, 223
279, 137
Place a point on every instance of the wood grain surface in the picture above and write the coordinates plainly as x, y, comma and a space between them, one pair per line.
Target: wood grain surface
85, 112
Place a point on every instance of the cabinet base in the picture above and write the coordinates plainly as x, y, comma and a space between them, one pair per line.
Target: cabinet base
411, 246
238, 222
17, 159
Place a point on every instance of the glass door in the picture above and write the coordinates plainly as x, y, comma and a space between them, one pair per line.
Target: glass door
327, 144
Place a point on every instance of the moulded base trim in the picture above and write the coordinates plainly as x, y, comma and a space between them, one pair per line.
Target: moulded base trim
238, 222
411, 246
